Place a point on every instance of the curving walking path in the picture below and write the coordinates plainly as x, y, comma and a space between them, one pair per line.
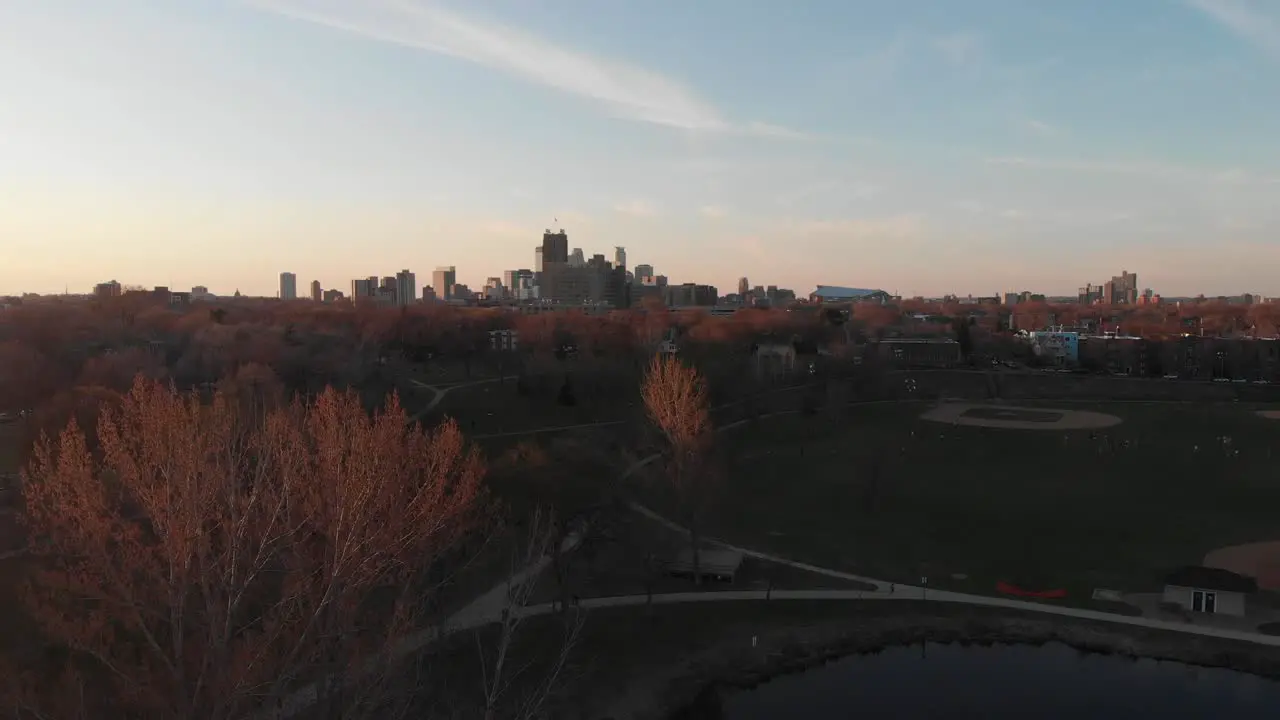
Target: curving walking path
485, 609
440, 392
893, 591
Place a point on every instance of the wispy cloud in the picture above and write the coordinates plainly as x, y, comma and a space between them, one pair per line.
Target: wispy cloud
959, 48
1232, 176
1041, 128
636, 208
715, 212
623, 90
1247, 20
842, 189
897, 227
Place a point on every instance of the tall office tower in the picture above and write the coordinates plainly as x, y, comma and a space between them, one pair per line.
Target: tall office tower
362, 287
744, 287
555, 246
619, 256
509, 279
537, 266
406, 287
317, 294
288, 286
385, 290
443, 280
494, 289
576, 259
1128, 287
644, 274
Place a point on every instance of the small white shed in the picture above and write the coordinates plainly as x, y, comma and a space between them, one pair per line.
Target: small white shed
1209, 590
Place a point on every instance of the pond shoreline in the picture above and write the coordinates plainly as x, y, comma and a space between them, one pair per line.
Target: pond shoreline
669, 691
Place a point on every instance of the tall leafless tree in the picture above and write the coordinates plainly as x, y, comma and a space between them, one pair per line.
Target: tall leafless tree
498, 671
676, 399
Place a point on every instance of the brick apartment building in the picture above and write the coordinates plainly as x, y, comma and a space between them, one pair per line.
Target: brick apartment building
1191, 357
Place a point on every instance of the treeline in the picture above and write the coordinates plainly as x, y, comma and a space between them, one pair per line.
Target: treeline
63, 358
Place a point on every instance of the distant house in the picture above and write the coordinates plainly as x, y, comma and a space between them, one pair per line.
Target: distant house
836, 293
1209, 590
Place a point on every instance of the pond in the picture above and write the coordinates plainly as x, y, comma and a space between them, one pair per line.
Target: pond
1002, 681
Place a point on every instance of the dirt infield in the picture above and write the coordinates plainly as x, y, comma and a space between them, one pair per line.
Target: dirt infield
1015, 418
1257, 560
1269, 414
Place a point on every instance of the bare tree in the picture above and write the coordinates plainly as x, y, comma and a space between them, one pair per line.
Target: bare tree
207, 562
675, 396
497, 674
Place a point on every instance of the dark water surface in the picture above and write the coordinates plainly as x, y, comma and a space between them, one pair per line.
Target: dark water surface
1003, 681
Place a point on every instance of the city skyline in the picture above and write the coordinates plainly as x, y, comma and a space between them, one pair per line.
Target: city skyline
902, 147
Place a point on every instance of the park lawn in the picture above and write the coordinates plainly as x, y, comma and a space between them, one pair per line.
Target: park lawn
1043, 509
625, 556
497, 408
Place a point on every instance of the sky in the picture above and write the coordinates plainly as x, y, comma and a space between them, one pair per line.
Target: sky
917, 146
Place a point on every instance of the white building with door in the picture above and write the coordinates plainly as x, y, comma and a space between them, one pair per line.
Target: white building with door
1209, 590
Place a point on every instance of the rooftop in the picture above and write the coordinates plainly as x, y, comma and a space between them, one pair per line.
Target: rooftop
1207, 578
837, 291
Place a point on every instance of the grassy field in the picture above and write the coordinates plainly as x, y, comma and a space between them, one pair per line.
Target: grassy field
625, 558
498, 408
970, 506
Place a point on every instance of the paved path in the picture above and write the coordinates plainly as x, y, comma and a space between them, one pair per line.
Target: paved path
904, 592
907, 592
901, 592
485, 609
879, 584
440, 392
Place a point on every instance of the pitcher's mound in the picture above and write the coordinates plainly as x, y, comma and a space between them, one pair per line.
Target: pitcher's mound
1260, 561
1016, 418
1269, 414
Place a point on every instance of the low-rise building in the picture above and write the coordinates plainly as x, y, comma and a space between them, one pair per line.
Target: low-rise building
927, 352
1209, 590
836, 293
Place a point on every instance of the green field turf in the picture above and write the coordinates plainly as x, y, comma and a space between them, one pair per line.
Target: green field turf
1043, 508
